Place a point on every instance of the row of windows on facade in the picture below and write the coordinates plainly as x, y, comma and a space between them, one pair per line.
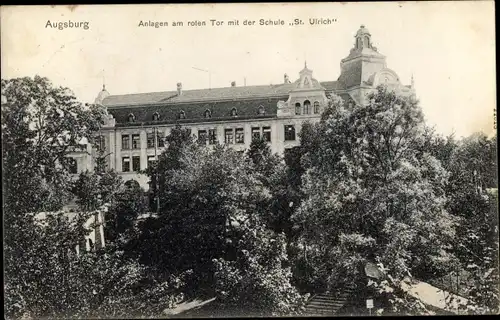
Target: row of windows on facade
231, 136
307, 108
207, 114
136, 141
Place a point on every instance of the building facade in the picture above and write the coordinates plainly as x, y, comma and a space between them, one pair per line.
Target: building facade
232, 115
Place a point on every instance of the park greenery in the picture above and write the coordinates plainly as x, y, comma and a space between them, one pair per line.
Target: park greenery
258, 231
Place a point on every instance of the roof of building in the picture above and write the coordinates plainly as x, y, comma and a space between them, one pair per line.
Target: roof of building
220, 101
195, 112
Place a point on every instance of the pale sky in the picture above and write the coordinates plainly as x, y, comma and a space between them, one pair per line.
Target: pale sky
449, 47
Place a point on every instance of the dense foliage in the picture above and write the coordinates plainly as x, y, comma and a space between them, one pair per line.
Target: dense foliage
258, 231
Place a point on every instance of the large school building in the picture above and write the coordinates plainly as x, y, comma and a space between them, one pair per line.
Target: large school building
137, 123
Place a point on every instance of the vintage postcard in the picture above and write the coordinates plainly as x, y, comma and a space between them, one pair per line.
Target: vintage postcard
250, 159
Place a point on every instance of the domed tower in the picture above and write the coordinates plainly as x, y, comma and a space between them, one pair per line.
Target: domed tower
103, 94
363, 61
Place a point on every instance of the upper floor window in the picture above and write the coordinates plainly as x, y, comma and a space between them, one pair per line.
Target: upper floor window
131, 117
316, 107
136, 141
266, 133
228, 136
101, 143
212, 136
239, 135
202, 136
160, 139
289, 132
262, 110
182, 115
208, 114
151, 140
297, 108
125, 141
234, 113
156, 116
73, 166
307, 107
255, 133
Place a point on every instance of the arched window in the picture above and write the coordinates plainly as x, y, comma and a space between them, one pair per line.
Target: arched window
358, 44
208, 114
156, 116
297, 108
262, 110
316, 107
182, 115
131, 117
307, 107
91, 244
234, 113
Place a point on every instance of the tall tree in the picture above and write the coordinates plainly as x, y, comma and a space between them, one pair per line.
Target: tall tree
371, 194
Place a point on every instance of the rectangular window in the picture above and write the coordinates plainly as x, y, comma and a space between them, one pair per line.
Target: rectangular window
125, 141
212, 136
73, 166
240, 135
289, 133
266, 133
202, 137
228, 134
101, 143
160, 139
151, 161
151, 140
136, 163
136, 141
126, 164
255, 133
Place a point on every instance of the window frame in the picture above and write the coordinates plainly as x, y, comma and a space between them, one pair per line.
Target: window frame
128, 145
126, 159
150, 137
138, 146
298, 109
285, 127
266, 131
307, 107
239, 135
316, 107
134, 158
231, 132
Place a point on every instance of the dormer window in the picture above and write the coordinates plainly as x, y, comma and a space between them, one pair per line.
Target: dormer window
208, 114
131, 117
156, 116
262, 110
234, 113
182, 115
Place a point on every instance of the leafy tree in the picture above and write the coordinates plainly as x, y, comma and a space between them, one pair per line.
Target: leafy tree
471, 198
258, 280
370, 195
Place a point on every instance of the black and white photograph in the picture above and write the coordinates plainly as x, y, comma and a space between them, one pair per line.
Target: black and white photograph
224, 160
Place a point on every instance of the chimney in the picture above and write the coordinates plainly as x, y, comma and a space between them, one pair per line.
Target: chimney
233, 83
286, 79
179, 88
